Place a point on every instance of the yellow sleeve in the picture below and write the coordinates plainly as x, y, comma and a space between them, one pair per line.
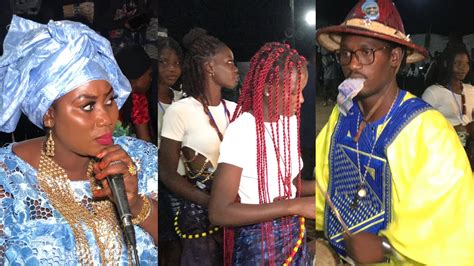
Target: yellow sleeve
323, 142
432, 194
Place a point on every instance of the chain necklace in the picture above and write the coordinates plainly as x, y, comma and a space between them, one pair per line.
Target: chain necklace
99, 216
361, 190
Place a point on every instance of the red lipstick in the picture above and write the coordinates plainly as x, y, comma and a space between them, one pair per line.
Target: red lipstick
105, 139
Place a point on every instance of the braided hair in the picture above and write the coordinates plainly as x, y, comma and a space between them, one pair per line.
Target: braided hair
200, 47
266, 94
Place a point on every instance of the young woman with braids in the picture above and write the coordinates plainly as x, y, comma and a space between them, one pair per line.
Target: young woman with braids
260, 165
170, 60
192, 131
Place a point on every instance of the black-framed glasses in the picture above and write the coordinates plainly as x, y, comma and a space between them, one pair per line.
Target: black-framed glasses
365, 56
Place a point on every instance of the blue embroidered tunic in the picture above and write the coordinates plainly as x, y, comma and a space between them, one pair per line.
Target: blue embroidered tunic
33, 232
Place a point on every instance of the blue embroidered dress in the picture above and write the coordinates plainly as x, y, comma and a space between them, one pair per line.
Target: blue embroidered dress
33, 232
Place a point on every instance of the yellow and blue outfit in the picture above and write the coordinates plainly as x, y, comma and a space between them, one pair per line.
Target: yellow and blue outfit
420, 190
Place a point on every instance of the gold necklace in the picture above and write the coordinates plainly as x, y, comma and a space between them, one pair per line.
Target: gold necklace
99, 215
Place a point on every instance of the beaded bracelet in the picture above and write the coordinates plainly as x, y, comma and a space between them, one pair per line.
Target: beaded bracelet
144, 212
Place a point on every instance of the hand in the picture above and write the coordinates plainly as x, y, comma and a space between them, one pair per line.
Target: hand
460, 127
114, 160
470, 128
364, 247
305, 206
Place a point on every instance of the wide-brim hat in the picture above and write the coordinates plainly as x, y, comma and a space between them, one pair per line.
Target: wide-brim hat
376, 19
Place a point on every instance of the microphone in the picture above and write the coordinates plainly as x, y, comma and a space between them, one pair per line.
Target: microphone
117, 187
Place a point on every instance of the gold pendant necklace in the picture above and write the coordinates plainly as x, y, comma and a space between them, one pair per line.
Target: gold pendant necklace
97, 215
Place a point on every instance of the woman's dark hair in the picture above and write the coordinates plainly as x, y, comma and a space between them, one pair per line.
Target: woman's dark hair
169, 43
199, 48
162, 44
447, 61
133, 62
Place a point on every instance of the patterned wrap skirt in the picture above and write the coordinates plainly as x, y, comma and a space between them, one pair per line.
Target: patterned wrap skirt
193, 220
251, 249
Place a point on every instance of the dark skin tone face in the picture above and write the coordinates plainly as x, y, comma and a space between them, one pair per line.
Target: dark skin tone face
169, 68
81, 116
380, 75
295, 98
460, 67
225, 73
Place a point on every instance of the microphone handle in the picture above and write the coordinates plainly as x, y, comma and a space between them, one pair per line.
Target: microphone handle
117, 187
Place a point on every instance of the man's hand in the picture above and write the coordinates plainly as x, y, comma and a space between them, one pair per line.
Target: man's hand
364, 247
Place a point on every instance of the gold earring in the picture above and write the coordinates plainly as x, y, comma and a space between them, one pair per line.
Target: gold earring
49, 147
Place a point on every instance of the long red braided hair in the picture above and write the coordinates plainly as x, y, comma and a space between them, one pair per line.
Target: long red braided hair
266, 94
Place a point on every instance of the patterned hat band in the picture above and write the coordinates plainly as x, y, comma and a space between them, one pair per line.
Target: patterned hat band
376, 26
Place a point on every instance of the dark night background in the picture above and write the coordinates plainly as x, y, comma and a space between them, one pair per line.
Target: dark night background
444, 16
244, 25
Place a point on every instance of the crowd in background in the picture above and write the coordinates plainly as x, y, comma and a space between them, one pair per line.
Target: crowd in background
413, 77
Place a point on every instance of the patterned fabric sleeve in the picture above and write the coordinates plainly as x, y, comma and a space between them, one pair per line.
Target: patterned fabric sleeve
33, 232
6, 209
145, 157
323, 141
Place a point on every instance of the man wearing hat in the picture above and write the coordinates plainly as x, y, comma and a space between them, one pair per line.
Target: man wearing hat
394, 181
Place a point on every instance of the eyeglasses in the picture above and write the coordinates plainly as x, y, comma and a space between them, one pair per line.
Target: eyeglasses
365, 56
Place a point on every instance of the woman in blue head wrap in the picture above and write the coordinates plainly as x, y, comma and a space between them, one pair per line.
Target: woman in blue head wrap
56, 205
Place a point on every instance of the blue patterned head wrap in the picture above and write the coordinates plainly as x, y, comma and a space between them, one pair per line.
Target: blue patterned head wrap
42, 63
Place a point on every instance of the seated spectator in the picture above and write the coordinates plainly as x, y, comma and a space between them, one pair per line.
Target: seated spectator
136, 66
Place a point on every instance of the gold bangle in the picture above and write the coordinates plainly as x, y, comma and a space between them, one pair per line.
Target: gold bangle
144, 212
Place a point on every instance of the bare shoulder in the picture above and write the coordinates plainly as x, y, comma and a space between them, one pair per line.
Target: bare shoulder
29, 150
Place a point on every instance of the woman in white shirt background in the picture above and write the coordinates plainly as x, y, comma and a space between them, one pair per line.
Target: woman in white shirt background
191, 135
170, 61
452, 96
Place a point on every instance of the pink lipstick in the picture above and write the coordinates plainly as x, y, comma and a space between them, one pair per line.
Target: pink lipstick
105, 139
